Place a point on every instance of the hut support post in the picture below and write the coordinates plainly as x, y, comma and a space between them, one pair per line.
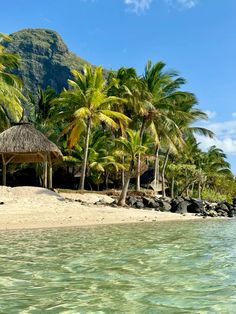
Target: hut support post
45, 172
4, 171
49, 172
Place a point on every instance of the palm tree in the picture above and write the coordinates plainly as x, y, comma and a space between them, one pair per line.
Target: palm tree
131, 148
164, 88
87, 104
102, 158
127, 84
10, 88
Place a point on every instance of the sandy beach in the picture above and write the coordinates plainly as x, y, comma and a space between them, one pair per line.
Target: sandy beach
33, 207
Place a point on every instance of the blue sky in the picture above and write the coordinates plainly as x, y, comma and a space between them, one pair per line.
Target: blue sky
195, 37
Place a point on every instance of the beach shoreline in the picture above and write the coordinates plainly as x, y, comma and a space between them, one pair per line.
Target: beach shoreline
38, 208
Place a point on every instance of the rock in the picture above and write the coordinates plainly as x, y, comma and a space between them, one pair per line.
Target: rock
139, 204
222, 213
1, 203
164, 206
175, 202
132, 200
222, 207
146, 201
150, 202
182, 207
212, 213
234, 201
232, 213
196, 206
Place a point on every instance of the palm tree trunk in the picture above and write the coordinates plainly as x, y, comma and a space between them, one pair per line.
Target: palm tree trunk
4, 174
122, 199
106, 179
123, 173
156, 168
172, 187
199, 190
139, 157
163, 173
84, 164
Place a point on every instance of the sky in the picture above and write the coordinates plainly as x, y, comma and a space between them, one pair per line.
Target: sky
194, 37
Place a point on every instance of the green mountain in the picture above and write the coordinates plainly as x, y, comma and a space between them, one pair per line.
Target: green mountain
45, 59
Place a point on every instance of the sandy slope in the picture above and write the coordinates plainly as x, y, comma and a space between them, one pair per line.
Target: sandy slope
32, 207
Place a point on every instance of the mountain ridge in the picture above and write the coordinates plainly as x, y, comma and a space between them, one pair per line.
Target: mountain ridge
45, 58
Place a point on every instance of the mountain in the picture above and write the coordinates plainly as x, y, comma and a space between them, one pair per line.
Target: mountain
45, 59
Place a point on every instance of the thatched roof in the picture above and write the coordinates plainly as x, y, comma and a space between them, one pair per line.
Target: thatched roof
22, 143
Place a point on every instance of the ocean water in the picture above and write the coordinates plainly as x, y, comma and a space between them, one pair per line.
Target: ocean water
171, 267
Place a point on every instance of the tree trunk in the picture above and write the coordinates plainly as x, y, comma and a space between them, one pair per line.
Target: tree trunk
107, 180
193, 189
49, 172
84, 164
4, 174
139, 157
122, 199
156, 168
123, 173
172, 187
199, 190
163, 173
45, 172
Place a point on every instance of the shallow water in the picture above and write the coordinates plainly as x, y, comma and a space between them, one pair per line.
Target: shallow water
172, 267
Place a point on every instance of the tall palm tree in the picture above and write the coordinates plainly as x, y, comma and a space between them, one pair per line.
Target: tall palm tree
131, 148
84, 105
128, 85
184, 114
10, 87
164, 88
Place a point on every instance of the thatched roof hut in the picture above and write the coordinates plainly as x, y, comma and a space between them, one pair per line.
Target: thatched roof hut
22, 143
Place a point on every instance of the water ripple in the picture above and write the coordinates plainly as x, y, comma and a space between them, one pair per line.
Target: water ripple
184, 267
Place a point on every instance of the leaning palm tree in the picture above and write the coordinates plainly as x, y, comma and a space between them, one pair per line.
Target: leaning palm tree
84, 105
10, 88
131, 148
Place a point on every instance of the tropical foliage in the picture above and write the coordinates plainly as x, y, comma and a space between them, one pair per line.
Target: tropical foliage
112, 128
10, 88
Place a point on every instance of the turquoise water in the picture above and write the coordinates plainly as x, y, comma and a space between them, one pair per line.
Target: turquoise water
181, 267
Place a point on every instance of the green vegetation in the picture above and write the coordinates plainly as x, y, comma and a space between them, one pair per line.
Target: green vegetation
113, 128
10, 88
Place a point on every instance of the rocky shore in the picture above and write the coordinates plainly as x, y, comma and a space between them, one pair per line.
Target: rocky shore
183, 206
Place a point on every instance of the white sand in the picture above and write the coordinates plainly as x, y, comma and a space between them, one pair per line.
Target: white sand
33, 207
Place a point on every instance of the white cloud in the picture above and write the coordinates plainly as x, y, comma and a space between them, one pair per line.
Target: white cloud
187, 4
210, 114
225, 136
228, 145
138, 6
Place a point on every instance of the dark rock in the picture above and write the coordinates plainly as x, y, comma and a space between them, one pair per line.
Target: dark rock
132, 200
150, 202
195, 206
164, 206
139, 204
234, 201
175, 202
1, 203
232, 213
146, 201
182, 207
222, 213
222, 207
